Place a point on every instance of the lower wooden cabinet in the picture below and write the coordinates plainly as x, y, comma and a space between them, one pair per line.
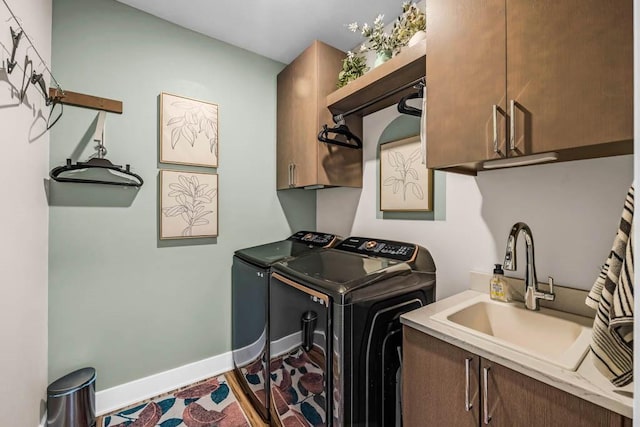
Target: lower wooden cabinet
443, 385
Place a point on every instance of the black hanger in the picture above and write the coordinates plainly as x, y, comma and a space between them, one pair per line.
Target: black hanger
406, 109
95, 163
55, 102
352, 140
99, 162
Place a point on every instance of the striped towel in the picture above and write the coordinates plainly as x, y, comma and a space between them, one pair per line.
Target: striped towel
612, 297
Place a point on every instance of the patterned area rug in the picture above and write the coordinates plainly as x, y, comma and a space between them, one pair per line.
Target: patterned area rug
297, 389
210, 403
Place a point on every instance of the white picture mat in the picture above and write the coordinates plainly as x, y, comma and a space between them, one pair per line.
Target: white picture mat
405, 183
188, 131
188, 204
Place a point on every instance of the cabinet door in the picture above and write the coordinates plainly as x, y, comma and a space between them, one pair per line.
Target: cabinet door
284, 141
570, 72
434, 380
517, 400
466, 76
297, 120
302, 89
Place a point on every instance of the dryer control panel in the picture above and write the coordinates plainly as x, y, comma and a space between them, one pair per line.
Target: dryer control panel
376, 247
313, 238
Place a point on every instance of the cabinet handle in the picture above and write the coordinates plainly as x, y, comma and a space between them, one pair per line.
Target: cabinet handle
293, 174
467, 368
290, 175
495, 129
512, 137
485, 393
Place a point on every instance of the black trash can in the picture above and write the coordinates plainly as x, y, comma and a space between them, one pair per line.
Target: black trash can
71, 400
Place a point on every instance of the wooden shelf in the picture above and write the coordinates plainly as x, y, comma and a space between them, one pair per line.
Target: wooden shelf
407, 66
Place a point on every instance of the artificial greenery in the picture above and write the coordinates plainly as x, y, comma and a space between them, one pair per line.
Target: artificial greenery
410, 22
378, 39
353, 66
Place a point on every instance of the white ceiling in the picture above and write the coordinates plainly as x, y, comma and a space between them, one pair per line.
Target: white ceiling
277, 29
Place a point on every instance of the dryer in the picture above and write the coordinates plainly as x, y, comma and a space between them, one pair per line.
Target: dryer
335, 333
249, 288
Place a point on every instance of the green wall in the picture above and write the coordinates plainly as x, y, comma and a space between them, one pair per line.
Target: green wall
119, 299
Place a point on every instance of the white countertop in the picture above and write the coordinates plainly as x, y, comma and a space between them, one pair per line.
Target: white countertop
587, 382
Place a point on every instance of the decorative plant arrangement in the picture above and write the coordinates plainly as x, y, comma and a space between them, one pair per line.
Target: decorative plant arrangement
406, 30
379, 41
188, 204
353, 66
410, 23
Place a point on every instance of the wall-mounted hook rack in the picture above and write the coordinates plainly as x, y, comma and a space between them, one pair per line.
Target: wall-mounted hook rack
15, 37
86, 101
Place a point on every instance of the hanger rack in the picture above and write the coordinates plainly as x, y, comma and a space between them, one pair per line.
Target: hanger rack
342, 129
16, 36
33, 77
86, 101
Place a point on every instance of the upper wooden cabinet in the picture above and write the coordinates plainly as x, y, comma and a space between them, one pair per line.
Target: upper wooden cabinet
509, 78
303, 161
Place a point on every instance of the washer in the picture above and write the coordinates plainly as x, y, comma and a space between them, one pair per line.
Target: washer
250, 284
335, 333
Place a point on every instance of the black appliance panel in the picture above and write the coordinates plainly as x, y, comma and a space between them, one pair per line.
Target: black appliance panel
297, 244
337, 272
250, 300
377, 247
249, 333
300, 367
367, 291
313, 238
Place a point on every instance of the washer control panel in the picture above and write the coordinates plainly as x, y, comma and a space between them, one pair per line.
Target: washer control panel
377, 247
313, 238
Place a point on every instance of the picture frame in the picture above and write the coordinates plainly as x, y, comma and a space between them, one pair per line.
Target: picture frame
406, 185
188, 204
188, 131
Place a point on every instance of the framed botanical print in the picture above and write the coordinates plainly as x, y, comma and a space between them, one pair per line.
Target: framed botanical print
405, 183
188, 204
188, 131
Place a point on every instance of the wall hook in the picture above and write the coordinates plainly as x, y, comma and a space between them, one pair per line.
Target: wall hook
37, 79
15, 39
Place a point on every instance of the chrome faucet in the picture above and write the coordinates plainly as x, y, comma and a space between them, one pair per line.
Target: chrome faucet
532, 294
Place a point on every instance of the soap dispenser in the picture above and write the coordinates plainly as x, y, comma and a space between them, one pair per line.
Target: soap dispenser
498, 287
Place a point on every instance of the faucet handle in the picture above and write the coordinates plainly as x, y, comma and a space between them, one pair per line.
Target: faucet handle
551, 285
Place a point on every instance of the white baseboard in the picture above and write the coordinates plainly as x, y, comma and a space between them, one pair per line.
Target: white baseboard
127, 394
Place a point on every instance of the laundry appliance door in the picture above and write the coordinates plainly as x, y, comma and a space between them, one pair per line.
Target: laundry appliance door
300, 340
250, 286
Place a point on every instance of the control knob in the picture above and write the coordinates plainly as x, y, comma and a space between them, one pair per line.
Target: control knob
370, 244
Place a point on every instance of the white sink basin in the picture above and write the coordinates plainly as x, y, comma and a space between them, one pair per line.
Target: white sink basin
561, 339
